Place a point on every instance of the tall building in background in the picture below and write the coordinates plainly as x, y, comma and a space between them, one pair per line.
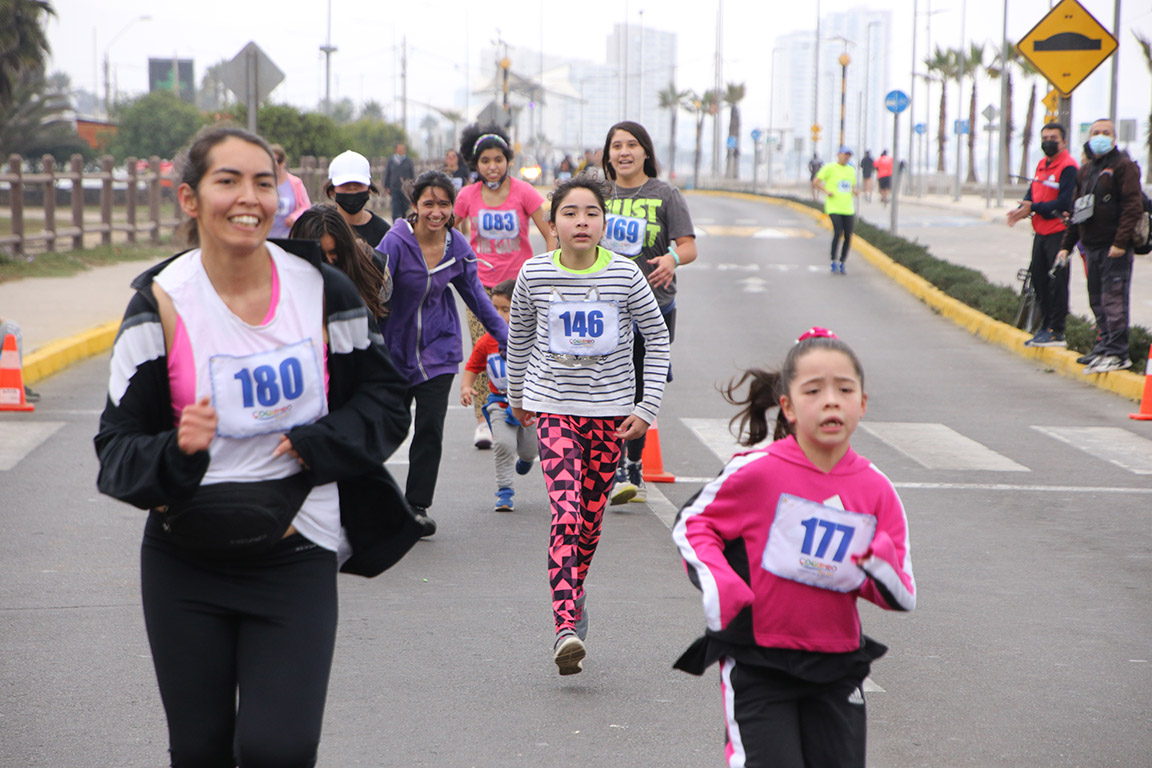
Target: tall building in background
646, 61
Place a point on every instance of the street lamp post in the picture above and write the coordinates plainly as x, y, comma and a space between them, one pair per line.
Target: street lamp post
108, 65
960, 95
771, 114
844, 60
868, 76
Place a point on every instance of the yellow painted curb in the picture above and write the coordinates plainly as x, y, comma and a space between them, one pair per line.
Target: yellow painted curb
1063, 361
57, 355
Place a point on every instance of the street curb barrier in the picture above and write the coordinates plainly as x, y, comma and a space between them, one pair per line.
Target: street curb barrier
58, 355
11, 381
1063, 361
653, 458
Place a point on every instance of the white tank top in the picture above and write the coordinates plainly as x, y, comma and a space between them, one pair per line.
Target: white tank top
263, 379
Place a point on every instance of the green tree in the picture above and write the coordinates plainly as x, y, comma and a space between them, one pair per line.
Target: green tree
373, 110
673, 101
23, 43
300, 133
158, 123
944, 65
1001, 66
373, 138
1146, 49
973, 66
733, 95
214, 96
36, 121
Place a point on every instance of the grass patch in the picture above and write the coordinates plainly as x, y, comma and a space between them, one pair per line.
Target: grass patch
66, 263
971, 287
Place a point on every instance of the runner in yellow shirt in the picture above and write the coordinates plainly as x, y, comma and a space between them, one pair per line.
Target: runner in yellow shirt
838, 183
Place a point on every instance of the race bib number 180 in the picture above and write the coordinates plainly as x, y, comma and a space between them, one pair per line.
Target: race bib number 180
266, 392
814, 544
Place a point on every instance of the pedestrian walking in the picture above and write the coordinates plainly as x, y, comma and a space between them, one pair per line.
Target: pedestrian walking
648, 222
781, 545
884, 176
837, 182
397, 172
348, 253
1107, 205
292, 196
350, 186
867, 169
515, 445
426, 256
250, 412
493, 213
575, 312
1047, 202
814, 166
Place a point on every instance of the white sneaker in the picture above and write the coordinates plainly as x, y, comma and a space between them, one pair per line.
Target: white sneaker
482, 437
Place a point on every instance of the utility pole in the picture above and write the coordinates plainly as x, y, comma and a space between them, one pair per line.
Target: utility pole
719, 89
816, 85
328, 49
1115, 65
404, 83
1002, 172
911, 101
960, 94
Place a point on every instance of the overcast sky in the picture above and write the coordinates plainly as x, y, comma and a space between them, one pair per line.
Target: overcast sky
443, 37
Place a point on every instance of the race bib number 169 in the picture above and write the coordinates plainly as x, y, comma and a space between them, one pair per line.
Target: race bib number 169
814, 544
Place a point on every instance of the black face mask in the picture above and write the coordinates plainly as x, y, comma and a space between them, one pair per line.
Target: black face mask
352, 202
1050, 148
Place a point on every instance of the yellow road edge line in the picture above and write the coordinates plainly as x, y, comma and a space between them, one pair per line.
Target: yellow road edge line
1124, 383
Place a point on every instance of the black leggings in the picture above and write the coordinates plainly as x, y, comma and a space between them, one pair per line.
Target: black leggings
265, 627
842, 225
427, 444
634, 449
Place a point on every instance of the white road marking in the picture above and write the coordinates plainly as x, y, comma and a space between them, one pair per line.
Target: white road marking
1112, 444
1016, 488
715, 436
18, 439
745, 221
936, 446
660, 506
754, 285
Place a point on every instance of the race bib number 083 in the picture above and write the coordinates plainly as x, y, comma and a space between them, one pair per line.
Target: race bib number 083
814, 544
498, 225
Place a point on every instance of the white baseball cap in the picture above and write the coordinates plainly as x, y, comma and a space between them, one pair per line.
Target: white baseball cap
349, 166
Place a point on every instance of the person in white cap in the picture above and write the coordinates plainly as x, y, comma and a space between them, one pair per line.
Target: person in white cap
350, 186
838, 183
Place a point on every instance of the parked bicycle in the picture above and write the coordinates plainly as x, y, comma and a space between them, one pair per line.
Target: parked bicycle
1028, 316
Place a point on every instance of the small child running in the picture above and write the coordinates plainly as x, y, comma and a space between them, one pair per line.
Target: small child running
782, 544
513, 443
570, 372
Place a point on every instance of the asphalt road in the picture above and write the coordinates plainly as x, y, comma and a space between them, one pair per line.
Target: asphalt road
1031, 645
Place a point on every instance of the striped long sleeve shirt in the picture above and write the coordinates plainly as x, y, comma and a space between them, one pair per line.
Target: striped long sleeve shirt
542, 378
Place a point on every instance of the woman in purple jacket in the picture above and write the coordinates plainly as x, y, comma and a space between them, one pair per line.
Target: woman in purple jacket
423, 331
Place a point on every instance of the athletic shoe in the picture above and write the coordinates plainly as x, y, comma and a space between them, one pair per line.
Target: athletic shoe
581, 625
568, 653
840, 268
523, 467
1087, 359
1042, 337
30, 396
421, 515
623, 490
1053, 340
482, 437
834, 270
635, 472
504, 500
1108, 363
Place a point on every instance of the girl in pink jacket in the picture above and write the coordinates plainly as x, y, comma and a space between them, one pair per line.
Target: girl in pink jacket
781, 544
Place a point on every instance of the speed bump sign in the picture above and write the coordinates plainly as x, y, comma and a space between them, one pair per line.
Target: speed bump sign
1067, 45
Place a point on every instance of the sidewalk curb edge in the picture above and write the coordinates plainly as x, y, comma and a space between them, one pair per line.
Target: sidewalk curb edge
58, 355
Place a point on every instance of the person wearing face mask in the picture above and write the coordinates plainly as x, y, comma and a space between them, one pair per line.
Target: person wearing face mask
350, 187
1104, 212
1047, 200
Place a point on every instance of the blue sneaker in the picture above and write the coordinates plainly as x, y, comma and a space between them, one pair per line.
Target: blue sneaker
1041, 339
523, 467
840, 268
504, 500
834, 270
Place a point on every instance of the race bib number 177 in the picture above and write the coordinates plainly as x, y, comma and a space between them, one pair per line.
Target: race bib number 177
814, 544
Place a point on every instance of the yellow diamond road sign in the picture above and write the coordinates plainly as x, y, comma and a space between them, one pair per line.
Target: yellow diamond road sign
1067, 45
1051, 102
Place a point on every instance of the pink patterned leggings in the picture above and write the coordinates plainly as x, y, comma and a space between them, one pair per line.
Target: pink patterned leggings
578, 455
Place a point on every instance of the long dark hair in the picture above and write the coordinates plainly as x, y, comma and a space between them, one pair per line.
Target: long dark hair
765, 389
477, 138
641, 134
596, 186
414, 188
353, 257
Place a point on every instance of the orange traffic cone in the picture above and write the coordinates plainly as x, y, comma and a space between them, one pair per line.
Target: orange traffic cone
653, 459
1145, 413
12, 379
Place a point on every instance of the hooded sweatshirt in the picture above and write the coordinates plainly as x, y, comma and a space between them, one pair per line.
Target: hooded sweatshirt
723, 532
423, 330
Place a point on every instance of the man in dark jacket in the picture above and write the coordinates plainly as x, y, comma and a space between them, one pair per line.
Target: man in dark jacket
1104, 215
398, 170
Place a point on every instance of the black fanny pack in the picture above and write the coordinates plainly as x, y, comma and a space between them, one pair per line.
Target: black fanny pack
236, 519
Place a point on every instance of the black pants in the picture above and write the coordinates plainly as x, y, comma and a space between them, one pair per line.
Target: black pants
1109, 282
842, 224
825, 727
399, 206
265, 627
634, 449
427, 437
1051, 292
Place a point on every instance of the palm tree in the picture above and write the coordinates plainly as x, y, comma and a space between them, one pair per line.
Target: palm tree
1001, 66
36, 120
973, 65
733, 95
23, 44
710, 102
943, 64
1146, 47
696, 105
673, 101
1031, 73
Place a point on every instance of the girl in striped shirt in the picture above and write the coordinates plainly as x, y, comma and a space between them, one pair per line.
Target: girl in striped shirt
570, 372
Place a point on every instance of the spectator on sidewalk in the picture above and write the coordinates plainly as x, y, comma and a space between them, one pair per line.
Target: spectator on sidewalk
1047, 200
884, 176
12, 328
292, 195
814, 166
1104, 214
399, 170
867, 168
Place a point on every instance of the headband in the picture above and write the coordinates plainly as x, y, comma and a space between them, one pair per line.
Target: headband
816, 332
496, 136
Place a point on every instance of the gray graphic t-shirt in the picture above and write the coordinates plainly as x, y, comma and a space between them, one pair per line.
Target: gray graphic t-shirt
642, 222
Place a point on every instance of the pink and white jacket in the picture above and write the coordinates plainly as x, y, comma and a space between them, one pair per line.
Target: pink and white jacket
722, 534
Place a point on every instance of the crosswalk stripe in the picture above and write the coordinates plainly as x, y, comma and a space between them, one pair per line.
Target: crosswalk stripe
17, 440
1112, 444
936, 446
715, 436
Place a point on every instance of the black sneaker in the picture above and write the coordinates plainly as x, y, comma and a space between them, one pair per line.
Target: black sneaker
31, 396
427, 523
1052, 340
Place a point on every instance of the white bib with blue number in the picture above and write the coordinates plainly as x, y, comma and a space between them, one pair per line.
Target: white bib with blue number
814, 544
845, 187
498, 372
267, 392
498, 225
589, 328
624, 234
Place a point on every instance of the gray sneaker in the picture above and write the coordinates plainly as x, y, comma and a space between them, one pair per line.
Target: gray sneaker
635, 473
1087, 359
568, 653
1109, 363
622, 489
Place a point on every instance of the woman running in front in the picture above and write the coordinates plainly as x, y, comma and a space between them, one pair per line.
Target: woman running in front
648, 222
782, 544
574, 315
250, 411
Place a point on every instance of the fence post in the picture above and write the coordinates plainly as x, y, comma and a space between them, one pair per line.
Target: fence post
49, 163
106, 199
17, 192
154, 198
130, 197
77, 176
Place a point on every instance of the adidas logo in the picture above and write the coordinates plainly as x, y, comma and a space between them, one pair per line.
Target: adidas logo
856, 697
